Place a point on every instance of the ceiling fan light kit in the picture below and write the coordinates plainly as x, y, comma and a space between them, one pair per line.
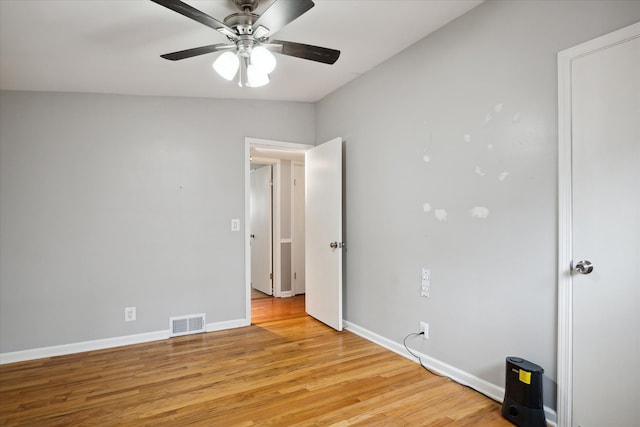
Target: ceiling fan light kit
227, 65
248, 51
255, 78
263, 60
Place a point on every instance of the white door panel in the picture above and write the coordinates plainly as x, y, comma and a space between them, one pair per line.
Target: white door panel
605, 107
323, 213
261, 229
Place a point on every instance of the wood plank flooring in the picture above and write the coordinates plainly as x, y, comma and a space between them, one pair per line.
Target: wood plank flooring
269, 309
255, 294
289, 370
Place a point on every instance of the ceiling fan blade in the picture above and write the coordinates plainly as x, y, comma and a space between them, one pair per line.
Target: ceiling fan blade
304, 51
196, 51
280, 13
198, 16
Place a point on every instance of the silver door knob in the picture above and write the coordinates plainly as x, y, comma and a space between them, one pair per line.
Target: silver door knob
333, 245
584, 267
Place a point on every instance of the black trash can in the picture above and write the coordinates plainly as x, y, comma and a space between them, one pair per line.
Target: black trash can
522, 403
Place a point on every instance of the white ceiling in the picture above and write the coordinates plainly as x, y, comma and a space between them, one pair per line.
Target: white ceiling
114, 46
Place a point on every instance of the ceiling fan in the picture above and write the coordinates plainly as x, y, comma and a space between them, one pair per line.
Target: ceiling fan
249, 44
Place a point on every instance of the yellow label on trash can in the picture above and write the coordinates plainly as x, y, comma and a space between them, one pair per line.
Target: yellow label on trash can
525, 376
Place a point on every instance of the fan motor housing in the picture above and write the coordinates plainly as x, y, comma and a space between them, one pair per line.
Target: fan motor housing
241, 22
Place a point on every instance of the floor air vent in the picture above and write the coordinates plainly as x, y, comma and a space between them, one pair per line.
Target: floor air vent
184, 325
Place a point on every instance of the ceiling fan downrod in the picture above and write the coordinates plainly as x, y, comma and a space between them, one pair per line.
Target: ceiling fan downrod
246, 5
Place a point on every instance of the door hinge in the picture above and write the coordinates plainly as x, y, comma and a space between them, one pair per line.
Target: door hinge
270, 276
295, 276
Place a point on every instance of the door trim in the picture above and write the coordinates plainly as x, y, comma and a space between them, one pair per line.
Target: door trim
565, 225
264, 143
294, 238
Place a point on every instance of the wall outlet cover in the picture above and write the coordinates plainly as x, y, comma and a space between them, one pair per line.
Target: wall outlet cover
424, 327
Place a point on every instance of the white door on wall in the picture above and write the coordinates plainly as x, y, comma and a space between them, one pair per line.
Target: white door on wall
297, 230
605, 178
323, 233
260, 208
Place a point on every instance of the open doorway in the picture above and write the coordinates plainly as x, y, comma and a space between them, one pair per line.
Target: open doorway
283, 296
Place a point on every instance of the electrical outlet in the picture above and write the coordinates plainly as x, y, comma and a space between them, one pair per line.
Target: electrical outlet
129, 314
425, 290
424, 327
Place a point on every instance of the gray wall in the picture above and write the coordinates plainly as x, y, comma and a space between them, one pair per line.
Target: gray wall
479, 99
115, 201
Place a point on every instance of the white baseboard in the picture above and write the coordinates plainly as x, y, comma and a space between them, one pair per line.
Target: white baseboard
462, 377
61, 350
79, 347
228, 324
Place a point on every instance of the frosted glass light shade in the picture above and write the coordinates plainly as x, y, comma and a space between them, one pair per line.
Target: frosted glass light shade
255, 78
263, 60
227, 65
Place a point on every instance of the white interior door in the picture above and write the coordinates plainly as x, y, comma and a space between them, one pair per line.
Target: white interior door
605, 108
323, 212
261, 229
297, 231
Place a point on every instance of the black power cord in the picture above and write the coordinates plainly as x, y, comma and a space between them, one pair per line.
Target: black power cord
416, 334
404, 341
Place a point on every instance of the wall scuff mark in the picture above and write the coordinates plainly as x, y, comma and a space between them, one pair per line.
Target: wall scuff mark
516, 118
480, 212
440, 214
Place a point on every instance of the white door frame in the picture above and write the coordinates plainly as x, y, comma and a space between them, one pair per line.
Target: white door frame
565, 250
294, 237
263, 143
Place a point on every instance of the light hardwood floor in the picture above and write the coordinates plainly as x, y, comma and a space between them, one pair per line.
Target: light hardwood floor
287, 370
269, 309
